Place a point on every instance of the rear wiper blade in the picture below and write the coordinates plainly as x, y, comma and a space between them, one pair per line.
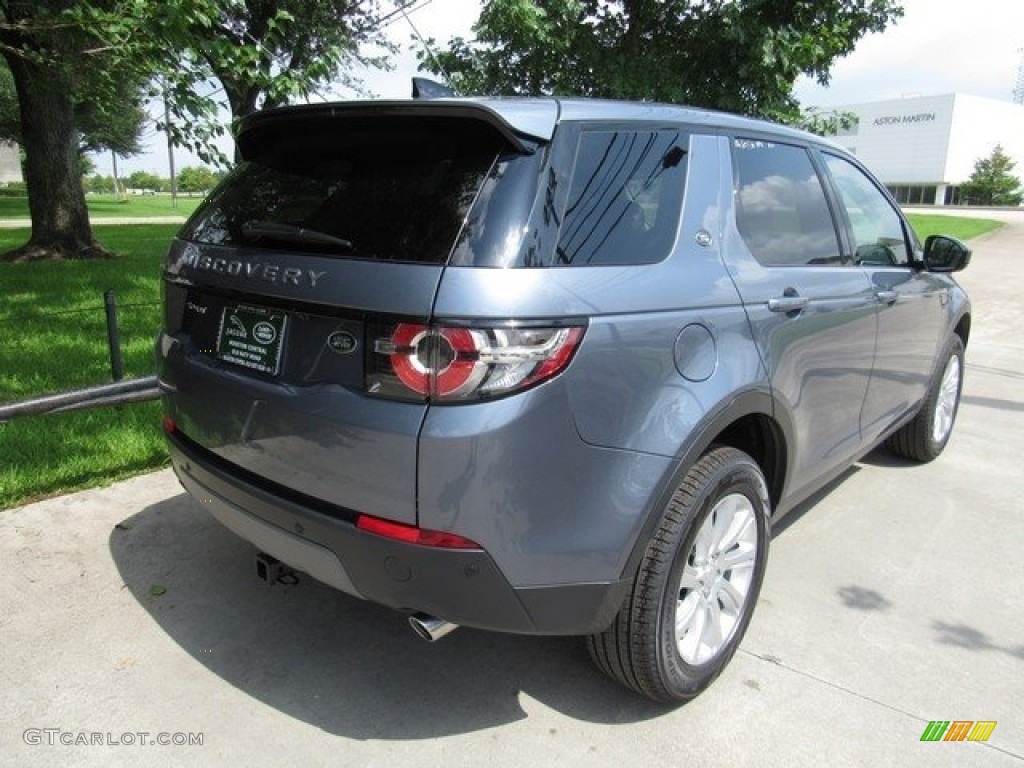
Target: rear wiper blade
277, 230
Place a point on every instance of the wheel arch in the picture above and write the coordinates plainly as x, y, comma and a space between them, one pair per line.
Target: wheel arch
750, 422
963, 328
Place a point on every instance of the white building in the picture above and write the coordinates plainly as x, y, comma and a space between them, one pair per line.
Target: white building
924, 147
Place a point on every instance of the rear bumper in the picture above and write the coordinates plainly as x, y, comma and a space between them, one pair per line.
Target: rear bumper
462, 586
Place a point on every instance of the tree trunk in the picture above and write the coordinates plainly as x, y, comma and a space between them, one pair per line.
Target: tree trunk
56, 200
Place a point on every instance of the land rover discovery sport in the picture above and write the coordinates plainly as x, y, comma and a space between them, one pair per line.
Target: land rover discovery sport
548, 366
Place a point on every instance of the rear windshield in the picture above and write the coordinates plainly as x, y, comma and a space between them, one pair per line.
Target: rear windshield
390, 191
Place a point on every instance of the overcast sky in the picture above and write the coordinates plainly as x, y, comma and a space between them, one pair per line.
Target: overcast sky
939, 46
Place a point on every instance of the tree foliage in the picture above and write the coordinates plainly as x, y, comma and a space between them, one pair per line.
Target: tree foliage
50, 64
113, 123
196, 178
146, 180
993, 182
267, 52
98, 183
258, 53
76, 63
824, 122
737, 55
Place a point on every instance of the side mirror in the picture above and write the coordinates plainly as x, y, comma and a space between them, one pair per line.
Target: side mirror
945, 254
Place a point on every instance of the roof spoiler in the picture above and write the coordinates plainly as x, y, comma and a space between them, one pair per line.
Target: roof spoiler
254, 129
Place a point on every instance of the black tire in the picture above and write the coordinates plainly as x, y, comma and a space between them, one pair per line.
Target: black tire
641, 649
924, 438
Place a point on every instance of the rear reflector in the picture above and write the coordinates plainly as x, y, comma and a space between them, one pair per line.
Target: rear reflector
413, 535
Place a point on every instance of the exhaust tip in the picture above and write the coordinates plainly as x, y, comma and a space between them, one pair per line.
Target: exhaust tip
430, 628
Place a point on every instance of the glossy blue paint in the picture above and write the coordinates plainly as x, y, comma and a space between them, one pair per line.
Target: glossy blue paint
560, 483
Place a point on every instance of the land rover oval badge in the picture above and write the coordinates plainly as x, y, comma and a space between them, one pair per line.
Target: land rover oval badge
342, 342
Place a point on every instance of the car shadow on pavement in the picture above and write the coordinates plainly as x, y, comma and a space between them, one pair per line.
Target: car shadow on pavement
883, 457
796, 513
349, 667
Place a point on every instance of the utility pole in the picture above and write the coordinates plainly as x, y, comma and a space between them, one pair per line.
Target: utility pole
117, 181
1018, 91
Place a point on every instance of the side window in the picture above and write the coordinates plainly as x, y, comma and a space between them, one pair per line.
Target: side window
879, 239
781, 210
625, 198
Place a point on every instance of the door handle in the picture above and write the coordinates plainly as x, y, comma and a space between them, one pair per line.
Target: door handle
887, 297
788, 302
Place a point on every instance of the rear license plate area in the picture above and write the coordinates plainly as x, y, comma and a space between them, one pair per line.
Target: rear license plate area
252, 337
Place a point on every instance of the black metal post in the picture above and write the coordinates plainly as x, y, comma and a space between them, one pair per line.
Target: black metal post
113, 336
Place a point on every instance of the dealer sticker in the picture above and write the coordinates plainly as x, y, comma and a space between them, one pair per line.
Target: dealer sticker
251, 337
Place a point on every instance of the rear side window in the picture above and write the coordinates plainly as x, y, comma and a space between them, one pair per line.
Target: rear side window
625, 198
781, 210
384, 190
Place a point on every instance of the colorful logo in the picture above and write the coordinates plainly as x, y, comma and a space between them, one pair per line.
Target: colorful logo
958, 730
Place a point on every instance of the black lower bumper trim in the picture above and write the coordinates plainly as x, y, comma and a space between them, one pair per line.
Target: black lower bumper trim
461, 586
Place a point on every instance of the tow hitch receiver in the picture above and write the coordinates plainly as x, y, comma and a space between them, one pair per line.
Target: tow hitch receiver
273, 571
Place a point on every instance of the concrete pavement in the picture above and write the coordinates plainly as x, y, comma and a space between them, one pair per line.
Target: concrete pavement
890, 601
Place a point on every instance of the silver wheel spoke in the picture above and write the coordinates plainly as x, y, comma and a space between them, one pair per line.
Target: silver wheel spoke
737, 558
715, 581
689, 580
945, 407
686, 612
728, 518
731, 598
703, 543
689, 642
711, 636
738, 523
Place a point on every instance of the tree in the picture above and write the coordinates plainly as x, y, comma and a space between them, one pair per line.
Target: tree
100, 184
824, 122
115, 127
194, 178
65, 51
145, 180
993, 182
44, 56
263, 53
738, 55
86, 167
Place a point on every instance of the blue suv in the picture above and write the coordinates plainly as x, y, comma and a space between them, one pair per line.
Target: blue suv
548, 366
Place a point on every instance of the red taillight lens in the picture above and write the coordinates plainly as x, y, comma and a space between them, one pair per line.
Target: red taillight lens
411, 363
169, 426
440, 361
453, 363
413, 535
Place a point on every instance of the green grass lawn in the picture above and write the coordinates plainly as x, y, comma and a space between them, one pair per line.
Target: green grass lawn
53, 338
110, 206
960, 227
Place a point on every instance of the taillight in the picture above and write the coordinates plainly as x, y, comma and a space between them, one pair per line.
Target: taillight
453, 363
